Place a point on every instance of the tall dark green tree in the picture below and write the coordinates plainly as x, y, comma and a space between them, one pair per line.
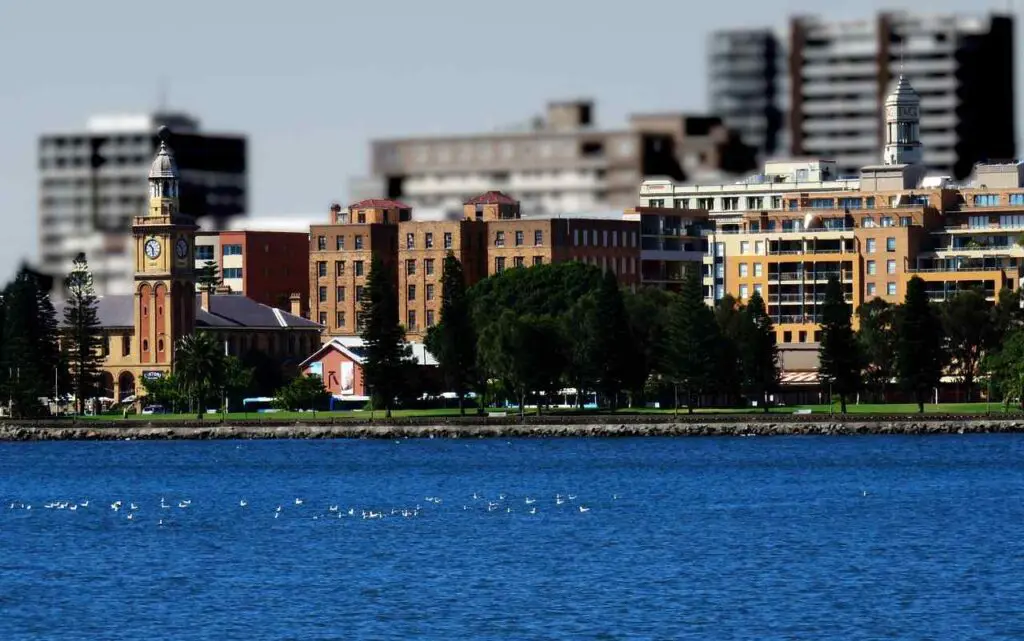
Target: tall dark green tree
29, 358
919, 343
694, 340
728, 315
453, 340
83, 335
199, 369
1005, 367
525, 354
581, 356
759, 355
613, 346
967, 323
877, 338
839, 355
648, 310
208, 276
386, 355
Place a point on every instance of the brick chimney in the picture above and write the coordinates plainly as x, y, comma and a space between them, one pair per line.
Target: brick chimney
296, 304
204, 299
336, 214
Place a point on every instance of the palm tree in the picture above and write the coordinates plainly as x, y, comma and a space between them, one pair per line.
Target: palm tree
199, 366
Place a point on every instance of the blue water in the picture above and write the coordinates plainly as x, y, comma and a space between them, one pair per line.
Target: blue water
745, 538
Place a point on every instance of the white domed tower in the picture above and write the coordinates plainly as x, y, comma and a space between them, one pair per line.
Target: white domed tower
902, 125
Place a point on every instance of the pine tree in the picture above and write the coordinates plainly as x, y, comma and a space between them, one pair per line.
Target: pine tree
919, 343
30, 358
208, 276
453, 340
612, 346
83, 335
759, 355
694, 338
967, 323
728, 313
838, 354
386, 356
877, 339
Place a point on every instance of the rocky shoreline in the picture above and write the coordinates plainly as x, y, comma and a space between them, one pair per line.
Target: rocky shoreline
12, 431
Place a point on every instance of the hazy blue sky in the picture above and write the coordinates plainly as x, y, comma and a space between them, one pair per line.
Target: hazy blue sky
311, 81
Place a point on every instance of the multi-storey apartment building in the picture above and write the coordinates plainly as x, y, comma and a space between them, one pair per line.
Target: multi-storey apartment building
784, 237
837, 73
340, 254
492, 236
563, 163
92, 184
266, 266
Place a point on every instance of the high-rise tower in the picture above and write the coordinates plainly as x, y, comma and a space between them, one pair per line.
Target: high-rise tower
164, 238
902, 125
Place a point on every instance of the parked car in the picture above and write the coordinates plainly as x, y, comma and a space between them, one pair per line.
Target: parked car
154, 409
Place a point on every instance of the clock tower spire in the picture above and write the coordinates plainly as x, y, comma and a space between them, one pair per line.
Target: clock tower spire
902, 125
165, 300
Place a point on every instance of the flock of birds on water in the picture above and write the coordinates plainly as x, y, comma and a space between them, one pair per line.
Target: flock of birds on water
168, 512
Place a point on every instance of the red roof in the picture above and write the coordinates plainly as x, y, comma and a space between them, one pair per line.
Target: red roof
379, 203
492, 198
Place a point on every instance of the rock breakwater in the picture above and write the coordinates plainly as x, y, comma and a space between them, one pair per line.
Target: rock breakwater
535, 427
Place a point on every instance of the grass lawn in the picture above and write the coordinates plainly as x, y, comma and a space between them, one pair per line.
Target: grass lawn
865, 409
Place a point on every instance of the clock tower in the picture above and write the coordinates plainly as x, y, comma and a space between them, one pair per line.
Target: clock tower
165, 298
902, 125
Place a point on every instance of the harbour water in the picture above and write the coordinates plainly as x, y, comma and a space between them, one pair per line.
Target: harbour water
731, 538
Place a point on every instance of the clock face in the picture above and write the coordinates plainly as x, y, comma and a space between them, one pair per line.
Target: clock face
153, 248
181, 248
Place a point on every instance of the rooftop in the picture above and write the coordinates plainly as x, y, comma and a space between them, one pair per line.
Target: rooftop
492, 198
379, 203
226, 311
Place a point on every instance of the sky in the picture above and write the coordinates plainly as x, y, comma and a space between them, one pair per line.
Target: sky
312, 81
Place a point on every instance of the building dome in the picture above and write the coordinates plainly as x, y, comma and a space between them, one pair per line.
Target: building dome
903, 94
163, 165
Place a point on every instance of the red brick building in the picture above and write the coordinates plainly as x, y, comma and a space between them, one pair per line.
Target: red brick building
266, 266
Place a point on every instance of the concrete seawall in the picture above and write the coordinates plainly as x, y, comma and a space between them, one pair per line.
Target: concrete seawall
13, 431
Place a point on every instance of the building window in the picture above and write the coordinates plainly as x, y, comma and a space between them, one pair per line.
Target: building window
871, 289
890, 266
430, 291
986, 200
744, 247
977, 222
1017, 199
867, 222
499, 264
719, 292
517, 261
321, 268
744, 292
870, 245
357, 267
720, 270
430, 318
411, 319
758, 289
359, 293
410, 241
802, 336
358, 241
886, 221
656, 202
744, 270
906, 221
428, 266
776, 202
232, 272
339, 294
538, 238
447, 240
411, 292
890, 288
850, 203
755, 202
339, 243
519, 238
872, 268
428, 240
339, 268
410, 267
890, 244
593, 237
321, 243
758, 270
787, 337
361, 216
604, 238
321, 294
706, 203
759, 247
204, 252
323, 318
339, 319
575, 237
232, 250
538, 260
499, 239
1011, 220
822, 203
